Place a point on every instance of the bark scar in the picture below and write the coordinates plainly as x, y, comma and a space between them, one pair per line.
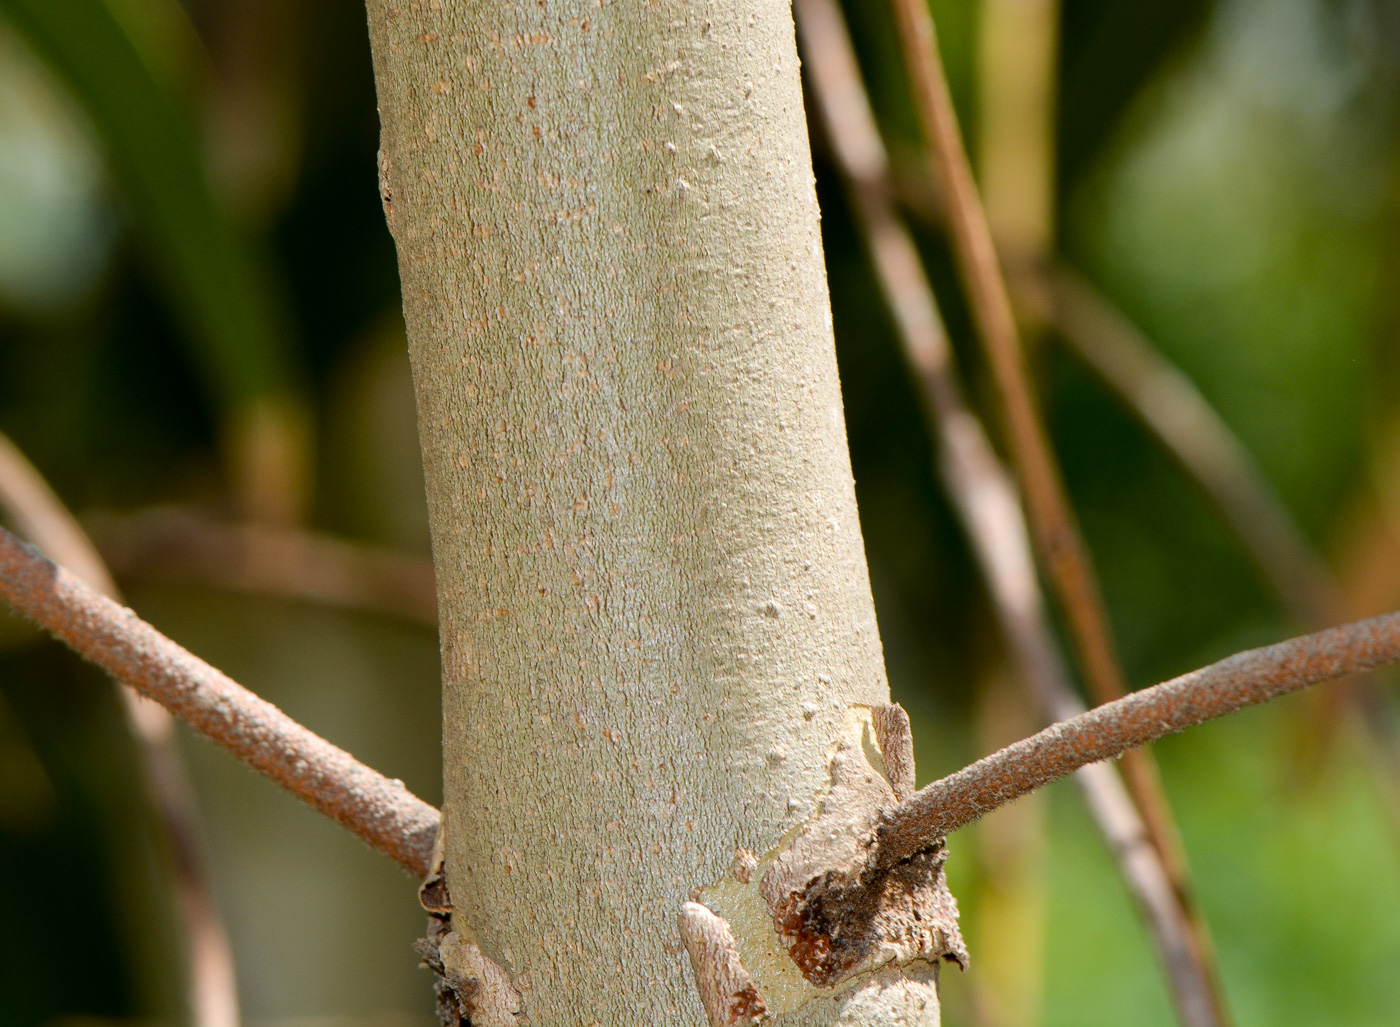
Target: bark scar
838, 911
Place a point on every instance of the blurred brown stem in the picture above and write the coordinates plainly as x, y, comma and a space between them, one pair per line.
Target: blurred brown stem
40, 515
982, 494
381, 812
172, 545
1056, 534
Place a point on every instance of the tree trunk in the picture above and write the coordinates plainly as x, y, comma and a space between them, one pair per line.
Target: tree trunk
657, 627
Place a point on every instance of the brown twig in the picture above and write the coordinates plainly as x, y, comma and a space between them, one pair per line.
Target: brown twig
1106, 732
983, 496
39, 514
1052, 521
169, 544
379, 811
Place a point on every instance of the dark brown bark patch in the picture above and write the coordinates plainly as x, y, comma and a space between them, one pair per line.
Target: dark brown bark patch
838, 909
841, 925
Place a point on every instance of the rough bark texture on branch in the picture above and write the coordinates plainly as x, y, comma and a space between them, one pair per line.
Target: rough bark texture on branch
379, 811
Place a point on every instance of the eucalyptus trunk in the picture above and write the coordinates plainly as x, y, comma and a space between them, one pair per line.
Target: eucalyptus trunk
657, 627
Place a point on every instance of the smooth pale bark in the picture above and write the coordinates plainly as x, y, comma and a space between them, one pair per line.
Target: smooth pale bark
656, 617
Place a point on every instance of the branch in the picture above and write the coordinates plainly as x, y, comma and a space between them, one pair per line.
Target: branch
1173, 410
982, 494
1106, 732
381, 812
1051, 518
170, 544
1056, 534
41, 515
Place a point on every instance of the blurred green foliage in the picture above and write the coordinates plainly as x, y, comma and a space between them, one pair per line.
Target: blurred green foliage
188, 218
217, 283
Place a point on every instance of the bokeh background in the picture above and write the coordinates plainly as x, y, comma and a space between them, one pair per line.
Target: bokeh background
199, 312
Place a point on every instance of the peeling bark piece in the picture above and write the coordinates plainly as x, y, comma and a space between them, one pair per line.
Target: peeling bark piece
432, 893
727, 991
896, 740
838, 911
386, 189
484, 988
452, 1009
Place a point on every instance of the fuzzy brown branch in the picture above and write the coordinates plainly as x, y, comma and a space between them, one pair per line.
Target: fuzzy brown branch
40, 515
169, 544
1106, 732
379, 811
1056, 534
982, 494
